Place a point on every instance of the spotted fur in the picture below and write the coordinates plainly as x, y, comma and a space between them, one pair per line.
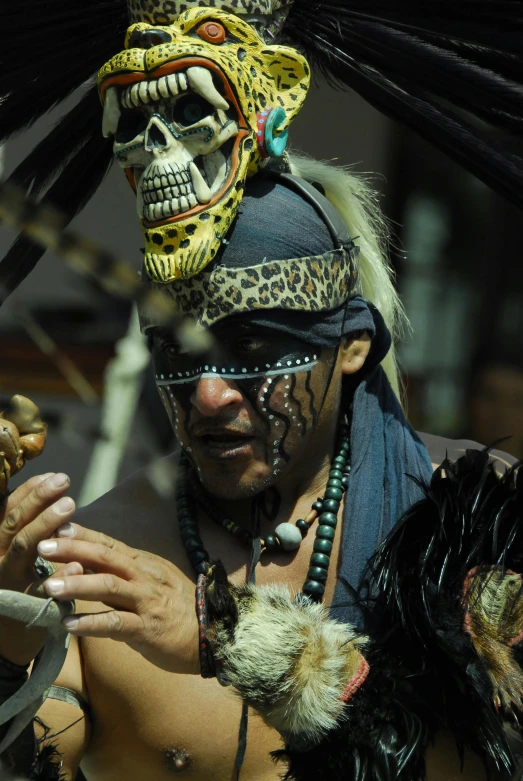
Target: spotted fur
315, 283
167, 11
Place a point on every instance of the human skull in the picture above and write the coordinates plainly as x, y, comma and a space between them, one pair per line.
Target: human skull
184, 103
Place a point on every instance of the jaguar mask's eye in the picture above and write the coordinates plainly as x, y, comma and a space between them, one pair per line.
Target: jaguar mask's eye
212, 32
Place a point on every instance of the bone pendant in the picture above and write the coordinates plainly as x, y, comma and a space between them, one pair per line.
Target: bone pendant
201, 82
200, 186
112, 113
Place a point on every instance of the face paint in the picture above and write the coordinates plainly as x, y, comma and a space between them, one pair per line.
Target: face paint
267, 387
195, 107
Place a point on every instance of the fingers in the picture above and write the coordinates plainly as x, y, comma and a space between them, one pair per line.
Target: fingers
77, 532
16, 569
93, 556
24, 490
23, 511
37, 587
104, 587
116, 625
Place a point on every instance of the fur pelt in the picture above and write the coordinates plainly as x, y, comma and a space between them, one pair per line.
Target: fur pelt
282, 654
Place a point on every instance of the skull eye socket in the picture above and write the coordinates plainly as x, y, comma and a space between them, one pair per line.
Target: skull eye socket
191, 109
212, 32
132, 123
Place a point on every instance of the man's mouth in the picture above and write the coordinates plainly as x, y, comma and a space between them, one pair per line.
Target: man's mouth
225, 444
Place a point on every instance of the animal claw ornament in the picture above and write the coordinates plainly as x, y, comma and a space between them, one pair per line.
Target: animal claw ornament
182, 102
22, 437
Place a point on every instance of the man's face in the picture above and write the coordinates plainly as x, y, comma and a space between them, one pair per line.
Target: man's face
246, 412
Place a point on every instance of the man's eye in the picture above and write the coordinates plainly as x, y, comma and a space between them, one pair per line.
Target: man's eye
171, 349
249, 344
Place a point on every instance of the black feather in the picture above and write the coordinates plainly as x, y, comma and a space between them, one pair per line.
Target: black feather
413, 597
71, 162
423, 65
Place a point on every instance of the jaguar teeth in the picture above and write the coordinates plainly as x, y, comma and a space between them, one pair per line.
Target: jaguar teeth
153, 91
200, 186
112, 113
166, 87
201, 82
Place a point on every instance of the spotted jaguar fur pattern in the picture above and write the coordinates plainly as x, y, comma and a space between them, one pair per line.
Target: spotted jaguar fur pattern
167, 11
312, 284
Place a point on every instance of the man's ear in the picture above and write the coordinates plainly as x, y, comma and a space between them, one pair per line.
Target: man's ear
354, 351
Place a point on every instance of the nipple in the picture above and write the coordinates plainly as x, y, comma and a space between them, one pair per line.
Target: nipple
177, 759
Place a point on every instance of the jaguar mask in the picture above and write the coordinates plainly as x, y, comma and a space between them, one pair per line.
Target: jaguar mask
195, 107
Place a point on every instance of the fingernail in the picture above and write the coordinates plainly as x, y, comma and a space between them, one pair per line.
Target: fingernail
55, 585
64, 505
66, 530
59, 480
70, 622
47, 546
46, 476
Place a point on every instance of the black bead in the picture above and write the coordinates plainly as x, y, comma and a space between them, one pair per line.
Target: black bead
245, 537
318, 506
328, 519
313, 589
271, 543
197, 556
333, 483
334, 493
331, 506
317, 573
320, 560
336, 474
325, 532
303, 526
189, 532
322, 546
192, 544
201, 568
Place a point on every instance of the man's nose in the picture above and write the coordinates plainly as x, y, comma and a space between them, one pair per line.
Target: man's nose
213, 395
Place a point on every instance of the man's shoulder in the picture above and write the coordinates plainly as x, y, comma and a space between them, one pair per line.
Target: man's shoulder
139, 507
441, 448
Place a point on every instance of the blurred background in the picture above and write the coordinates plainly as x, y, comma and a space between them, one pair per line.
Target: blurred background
456, 251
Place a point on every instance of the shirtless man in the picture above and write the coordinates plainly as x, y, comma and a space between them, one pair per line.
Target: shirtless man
133, 661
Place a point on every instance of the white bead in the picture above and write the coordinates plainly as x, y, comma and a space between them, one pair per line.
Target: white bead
288, 535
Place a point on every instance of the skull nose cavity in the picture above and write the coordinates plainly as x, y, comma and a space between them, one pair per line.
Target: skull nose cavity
146, 39
155, 138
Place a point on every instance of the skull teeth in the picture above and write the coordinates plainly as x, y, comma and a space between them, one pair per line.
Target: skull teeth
169, 207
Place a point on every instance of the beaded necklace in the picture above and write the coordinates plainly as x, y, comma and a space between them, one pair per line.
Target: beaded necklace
287, 536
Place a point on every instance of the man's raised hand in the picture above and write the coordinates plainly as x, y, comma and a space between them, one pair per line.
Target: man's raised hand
152, 603
30, 514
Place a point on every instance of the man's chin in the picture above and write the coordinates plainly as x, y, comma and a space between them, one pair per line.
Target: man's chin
237, 488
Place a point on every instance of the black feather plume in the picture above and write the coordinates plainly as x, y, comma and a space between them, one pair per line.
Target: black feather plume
68, 166
426, 64
470, 521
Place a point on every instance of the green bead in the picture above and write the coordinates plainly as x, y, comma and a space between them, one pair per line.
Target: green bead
336, 474
328, 519
201, 568
331, 506
271, 543
188, 531
322, 546
192, 544
339, 460
334, 493
317, 573
325, 532
320, 560
313, 589
318, 506
345, 481
197, 556
303, 526
333, 483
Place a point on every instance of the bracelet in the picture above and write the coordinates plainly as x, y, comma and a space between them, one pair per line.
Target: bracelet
207, 662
